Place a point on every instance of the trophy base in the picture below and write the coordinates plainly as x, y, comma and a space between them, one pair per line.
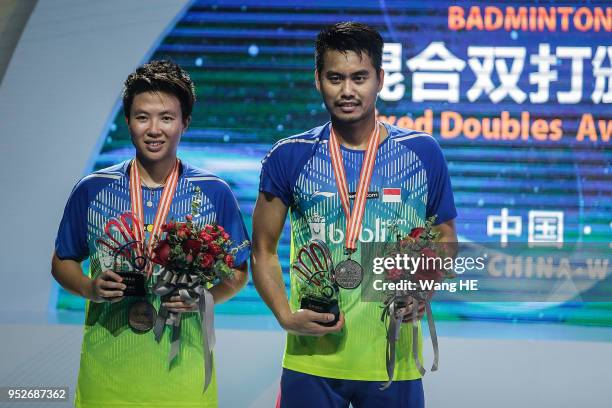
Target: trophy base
135, 284
322, 305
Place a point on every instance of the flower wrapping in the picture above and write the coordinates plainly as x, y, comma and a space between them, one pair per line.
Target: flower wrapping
422, 244
192, 258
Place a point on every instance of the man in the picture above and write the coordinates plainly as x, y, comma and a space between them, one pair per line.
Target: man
395, 176
120, 367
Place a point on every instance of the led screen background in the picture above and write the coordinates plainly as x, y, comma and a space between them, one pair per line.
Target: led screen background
253, 63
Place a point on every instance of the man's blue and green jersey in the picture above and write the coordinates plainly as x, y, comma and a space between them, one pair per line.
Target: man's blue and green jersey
410, 183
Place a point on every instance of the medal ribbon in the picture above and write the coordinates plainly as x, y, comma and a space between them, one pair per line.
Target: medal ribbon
162, 209
353, 220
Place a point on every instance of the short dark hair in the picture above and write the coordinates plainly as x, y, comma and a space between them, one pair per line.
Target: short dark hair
350, 36
160, 76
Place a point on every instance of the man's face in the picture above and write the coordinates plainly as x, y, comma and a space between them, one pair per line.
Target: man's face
349, 85
156, 125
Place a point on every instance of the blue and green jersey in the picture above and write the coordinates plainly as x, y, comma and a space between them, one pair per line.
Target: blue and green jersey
410, 183
120, 368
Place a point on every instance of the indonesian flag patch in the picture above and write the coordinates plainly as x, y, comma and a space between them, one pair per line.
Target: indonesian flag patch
392, 195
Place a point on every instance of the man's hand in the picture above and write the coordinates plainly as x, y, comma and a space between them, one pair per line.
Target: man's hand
305, 322
107, 288
268, 220
406, 312
178, 306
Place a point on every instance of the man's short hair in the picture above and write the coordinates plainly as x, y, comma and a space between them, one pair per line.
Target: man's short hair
160, 76
350, 36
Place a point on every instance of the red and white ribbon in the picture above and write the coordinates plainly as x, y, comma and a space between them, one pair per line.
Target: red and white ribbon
354, 218
162, 209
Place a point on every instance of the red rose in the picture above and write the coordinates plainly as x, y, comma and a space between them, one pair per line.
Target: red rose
162, 253
183, 232
189, 258
416, 232
394, 274
225, 236
205, 237
214, 249
220, 229
209, 228
207, 261
192, 246
229, 260
189, 217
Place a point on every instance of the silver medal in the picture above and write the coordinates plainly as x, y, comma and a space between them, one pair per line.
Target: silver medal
348, 274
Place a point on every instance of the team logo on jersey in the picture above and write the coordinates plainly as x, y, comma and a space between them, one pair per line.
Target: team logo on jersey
392, 195
316, 223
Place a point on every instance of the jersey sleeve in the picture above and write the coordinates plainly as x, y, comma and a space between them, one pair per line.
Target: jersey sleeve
230, 218
71, 240
441, 201
274, 178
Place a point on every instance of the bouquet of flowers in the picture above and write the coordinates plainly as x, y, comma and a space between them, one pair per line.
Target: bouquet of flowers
205, 252
427, 259
192, 258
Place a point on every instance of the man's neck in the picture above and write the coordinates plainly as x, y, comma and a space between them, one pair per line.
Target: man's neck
154, 173
357, 135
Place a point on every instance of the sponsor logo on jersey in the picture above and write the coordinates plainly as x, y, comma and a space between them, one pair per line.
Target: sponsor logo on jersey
326, 194
334, 235
371, 195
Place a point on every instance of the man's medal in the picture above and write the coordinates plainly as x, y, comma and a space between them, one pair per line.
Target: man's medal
349, 273
142, 314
